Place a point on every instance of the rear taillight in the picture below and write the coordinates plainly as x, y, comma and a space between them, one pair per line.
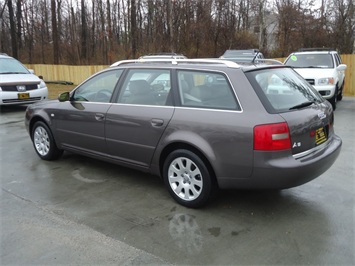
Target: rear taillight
272, 137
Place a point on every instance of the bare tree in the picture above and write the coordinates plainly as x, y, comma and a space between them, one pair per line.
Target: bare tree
19, 22
84, 36
12, 29
344, 25
103, 31
55, 33
134, 29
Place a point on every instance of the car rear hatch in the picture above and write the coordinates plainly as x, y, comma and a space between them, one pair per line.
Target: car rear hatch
308, 117
309, 127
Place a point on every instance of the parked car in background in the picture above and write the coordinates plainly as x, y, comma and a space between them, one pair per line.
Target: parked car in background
18, 85
163, 56
249, 55
323, 69
213, 124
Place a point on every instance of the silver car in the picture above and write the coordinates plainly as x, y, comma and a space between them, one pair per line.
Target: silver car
18, 85
211, 124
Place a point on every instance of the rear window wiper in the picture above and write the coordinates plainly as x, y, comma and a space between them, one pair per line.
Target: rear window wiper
305, 104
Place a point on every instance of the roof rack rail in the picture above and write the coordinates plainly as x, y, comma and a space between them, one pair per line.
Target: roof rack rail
316, 49
164, 53
177, 61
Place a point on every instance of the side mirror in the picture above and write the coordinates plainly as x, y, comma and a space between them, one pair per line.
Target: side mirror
341, 67
31, 71
63, 97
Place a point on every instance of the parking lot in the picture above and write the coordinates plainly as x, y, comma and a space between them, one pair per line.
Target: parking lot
84, 212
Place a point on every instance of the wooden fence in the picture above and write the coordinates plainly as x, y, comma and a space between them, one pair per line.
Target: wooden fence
74, 74
77, 74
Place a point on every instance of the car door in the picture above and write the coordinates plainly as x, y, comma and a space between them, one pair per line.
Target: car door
80, 122
135, 123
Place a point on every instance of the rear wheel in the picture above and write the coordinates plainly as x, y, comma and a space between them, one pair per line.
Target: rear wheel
187, 178
44, 143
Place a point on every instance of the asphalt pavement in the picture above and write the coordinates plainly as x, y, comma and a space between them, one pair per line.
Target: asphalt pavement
79, 211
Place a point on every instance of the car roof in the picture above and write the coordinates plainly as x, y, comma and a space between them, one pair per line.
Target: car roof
315, 51
202, 63
3, 55
176, 62
242, 52
164, 55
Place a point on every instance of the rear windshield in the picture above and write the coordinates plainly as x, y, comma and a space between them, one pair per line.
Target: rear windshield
310, 61
282, 89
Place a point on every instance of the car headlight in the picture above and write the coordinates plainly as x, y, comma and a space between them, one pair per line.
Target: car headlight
42, 85
326, 81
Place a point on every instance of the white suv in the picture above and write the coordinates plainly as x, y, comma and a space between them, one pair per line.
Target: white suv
323, 69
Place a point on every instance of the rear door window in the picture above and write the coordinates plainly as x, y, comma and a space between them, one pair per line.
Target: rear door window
206, 90
282, 89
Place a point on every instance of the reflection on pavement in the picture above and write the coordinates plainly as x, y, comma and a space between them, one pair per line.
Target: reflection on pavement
186, 233
77, 175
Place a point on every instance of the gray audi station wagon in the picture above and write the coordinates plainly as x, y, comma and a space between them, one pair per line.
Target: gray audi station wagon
199, 124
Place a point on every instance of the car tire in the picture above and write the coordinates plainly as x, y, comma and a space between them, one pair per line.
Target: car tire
334, 99
340, 93
44, 143
188, 178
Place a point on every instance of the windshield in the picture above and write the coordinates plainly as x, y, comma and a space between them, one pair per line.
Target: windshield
310, 60
282, 89
12, 66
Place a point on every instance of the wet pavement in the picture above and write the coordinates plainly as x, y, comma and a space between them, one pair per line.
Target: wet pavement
81, 211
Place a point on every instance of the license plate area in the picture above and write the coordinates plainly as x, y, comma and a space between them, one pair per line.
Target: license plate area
23, 96
321, 135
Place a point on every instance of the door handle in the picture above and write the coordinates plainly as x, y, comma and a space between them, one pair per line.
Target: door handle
157, 122
99, 117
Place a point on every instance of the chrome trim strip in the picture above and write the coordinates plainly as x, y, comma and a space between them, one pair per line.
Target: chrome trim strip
313, 150
180, 107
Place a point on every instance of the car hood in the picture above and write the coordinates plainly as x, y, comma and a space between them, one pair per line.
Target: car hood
47, 103
312, 73
18, 79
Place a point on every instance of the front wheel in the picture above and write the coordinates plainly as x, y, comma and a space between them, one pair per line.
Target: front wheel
334, 99
341, 92
187, 178
44, 143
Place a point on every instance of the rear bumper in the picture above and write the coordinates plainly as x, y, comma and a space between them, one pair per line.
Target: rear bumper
285, 171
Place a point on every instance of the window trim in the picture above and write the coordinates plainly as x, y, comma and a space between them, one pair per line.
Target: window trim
178, 95
72, 94
128, 74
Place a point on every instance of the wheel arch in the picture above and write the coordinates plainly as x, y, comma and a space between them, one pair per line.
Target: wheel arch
33, 121
185, 146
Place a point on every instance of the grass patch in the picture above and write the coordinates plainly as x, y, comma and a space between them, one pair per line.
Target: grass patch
55, 89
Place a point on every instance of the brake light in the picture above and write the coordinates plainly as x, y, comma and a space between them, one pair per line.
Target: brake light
272, 137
